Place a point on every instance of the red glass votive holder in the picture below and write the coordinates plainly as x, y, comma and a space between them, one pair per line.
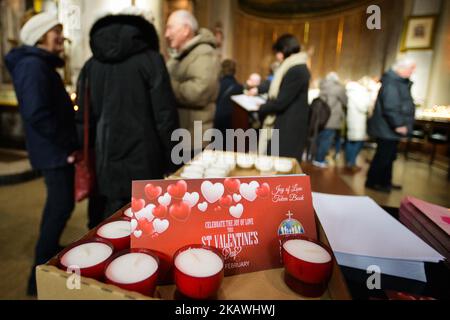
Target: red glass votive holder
133, 269
106, 231
308, 278
190, 283
89, 256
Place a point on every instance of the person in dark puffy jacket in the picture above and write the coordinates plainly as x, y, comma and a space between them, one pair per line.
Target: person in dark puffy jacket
132, 108
392, 119
48, 118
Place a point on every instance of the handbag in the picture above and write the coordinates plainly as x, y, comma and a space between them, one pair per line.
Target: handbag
84, 159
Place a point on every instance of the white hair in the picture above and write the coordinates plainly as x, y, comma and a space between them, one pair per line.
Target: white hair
185, 17
403, 63
332, 76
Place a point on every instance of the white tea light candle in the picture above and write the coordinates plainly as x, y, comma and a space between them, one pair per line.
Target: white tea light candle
198, 262
86, 255
283, 165
131, 268
307, 251
115, 230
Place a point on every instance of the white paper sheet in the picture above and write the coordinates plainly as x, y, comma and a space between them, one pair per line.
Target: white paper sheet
249, 103
359, 230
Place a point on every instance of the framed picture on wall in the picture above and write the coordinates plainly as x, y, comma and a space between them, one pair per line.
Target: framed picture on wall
418, 33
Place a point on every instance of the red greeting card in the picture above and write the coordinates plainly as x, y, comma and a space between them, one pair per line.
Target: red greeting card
241, 216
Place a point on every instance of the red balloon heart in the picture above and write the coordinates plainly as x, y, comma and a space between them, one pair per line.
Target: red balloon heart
226, 201
145, 225
232, 184
263, 191
218, 209
160, 211
137, 204
152, 191
178, 189
180, 211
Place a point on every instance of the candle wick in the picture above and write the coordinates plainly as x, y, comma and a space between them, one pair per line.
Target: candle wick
137, 261
196, 257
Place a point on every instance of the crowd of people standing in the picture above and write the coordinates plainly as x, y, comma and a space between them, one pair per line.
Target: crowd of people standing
135, 99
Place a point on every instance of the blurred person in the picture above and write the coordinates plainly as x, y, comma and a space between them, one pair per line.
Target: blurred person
252, 84
333, 93
228, 86
358, 105
287, 107
48, 116
132, 108
392, 119
194, 68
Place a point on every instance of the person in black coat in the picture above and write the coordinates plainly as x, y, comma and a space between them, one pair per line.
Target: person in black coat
392, 119
287, 107
48, 118
132, 108
228, 86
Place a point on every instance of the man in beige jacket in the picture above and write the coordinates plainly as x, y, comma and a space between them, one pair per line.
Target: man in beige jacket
194, 68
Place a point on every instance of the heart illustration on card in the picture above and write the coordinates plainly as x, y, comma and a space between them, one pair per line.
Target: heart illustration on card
137, 204
191, 198
212, 192
133, 224
237, 197
237, 210
178, 189
151, 191
128, 212
160, 211
165, 199
180, 211
226, 201
145, 213
160, 225
232, 184
263, 191
145, 225
137, 233
203, 206
217, 209
248, 190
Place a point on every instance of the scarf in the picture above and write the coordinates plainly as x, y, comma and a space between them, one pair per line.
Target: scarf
269, 121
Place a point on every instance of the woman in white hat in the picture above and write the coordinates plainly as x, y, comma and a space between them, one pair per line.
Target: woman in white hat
48, 117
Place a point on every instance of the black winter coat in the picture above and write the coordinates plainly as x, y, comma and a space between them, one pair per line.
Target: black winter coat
291, 109
133, 109
224, 106
44, 105
394, 108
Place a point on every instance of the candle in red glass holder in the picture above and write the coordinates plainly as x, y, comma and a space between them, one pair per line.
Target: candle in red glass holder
87, 256
117, 232
133, 269
199, 271
309, 262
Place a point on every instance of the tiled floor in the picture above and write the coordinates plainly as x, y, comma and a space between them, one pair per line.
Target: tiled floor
21, 205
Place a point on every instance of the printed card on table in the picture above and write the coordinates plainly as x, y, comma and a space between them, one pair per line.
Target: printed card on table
242, 217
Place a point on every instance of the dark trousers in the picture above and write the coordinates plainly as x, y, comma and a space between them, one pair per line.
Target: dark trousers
324, 142
380, 172
352, 149
58, 208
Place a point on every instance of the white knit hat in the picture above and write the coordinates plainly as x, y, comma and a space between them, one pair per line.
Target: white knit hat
37, 26
136, 11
